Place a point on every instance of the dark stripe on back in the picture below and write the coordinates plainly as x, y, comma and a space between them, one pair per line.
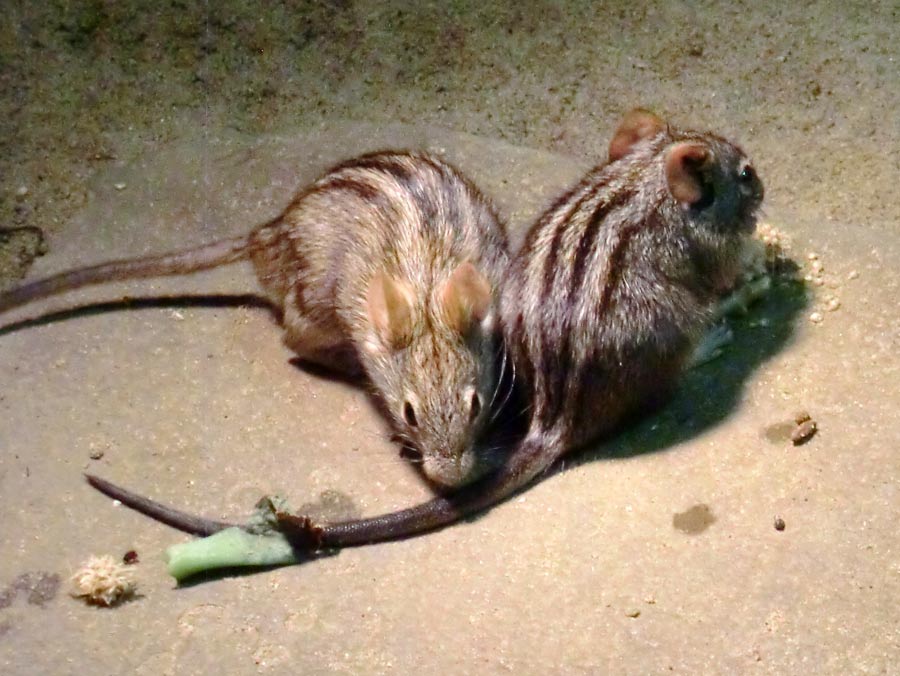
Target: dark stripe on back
362, 189
588, 239
551, 267
409, 178
385, 162
556, 366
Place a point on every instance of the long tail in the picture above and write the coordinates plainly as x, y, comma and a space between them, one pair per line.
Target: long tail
179, 263
532, 457
195, 525
529, 459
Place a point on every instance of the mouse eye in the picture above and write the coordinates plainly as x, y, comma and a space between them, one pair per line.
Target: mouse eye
747, 175
409, 414
475, 406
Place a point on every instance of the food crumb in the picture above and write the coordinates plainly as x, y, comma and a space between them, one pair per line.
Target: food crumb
779, 523
103, 581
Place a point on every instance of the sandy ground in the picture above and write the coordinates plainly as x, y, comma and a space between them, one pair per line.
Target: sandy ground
125, 131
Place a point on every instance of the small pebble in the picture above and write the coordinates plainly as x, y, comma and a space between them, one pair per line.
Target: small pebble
96, 455
817, 266
633, 613
812, 256
779, 523
853, 274
131, 557
832, 305
816, 317
119, 186
21, 191
818, 281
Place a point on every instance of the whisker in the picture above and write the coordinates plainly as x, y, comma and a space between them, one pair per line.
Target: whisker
509, 391
500, 375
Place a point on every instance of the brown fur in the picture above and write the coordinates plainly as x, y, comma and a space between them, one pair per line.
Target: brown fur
387, 265
601, 308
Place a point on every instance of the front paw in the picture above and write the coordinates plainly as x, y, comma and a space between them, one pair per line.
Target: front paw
710, 345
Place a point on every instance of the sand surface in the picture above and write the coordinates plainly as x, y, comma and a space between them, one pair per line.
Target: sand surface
126, 131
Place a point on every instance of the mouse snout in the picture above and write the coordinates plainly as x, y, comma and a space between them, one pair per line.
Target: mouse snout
450, 471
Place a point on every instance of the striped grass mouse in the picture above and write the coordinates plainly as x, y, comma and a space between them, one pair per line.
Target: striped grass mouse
599, 312
388, 266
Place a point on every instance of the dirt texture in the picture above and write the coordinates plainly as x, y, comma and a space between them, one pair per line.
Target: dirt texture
129, 127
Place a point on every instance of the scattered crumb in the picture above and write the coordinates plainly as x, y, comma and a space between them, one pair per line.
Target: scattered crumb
130, 557
776, 246
633, 613
815, 276
103, 581
779, 523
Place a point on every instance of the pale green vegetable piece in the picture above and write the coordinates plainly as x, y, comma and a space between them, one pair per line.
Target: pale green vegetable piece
229, 548
259, 543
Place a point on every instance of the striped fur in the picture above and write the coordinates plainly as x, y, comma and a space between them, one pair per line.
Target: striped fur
405, 222
602, 304
414, 219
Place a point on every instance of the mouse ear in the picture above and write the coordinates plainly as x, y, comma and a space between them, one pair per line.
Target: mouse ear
390, 303
686, 164
465, 298
637, 125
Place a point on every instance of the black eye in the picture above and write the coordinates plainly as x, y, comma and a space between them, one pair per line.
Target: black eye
475, 409
747, 174
409, 415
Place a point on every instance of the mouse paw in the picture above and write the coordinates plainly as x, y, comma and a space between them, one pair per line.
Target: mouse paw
710, 345
738, 302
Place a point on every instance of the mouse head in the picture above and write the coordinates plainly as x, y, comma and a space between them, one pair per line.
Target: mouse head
434, 368
710, 191
705, 174
714, 181
716, 193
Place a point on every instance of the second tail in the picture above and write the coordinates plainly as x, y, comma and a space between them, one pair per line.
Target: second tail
204, 257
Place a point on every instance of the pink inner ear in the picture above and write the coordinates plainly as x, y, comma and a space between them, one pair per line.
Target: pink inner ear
635, 127
685, 164
466, 297
390, 306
